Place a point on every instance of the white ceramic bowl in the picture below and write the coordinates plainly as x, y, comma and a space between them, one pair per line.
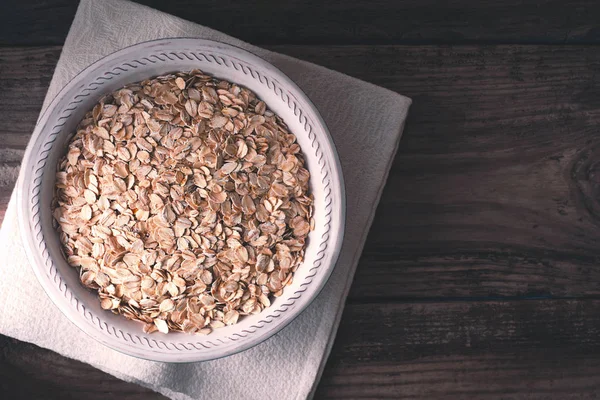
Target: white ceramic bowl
137, 63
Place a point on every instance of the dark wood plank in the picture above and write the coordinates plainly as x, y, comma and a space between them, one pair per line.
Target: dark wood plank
45, 22
25, 75
545, 349
494, 190
530, 375
30, 372
31, 22
468, 350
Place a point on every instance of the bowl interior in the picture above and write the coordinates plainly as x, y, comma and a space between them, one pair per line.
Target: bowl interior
56, 129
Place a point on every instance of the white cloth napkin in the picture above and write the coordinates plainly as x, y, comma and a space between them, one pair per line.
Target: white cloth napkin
366, 122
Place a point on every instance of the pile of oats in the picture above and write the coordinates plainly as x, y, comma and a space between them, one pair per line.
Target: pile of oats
184, 202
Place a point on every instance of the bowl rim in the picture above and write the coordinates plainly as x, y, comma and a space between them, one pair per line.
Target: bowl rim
33, 254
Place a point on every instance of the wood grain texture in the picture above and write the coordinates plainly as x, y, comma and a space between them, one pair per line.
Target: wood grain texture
25, 75
539, 349
536, 349
494, 189
46, 22
30, 372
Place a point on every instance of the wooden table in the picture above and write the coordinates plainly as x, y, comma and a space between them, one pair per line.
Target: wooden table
480, 276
